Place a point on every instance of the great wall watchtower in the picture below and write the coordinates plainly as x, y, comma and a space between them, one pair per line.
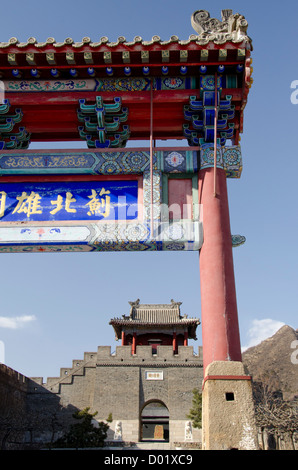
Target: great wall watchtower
124, 382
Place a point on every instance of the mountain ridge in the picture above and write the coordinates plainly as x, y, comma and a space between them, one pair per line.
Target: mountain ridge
274, 362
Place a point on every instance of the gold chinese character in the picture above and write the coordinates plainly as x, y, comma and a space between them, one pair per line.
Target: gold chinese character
59, 203
2, 203
69, 200
29, 204
97, 205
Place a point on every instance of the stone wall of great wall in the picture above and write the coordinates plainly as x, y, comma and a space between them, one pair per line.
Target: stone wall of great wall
108, 383
115, 383
13, 401
13, 389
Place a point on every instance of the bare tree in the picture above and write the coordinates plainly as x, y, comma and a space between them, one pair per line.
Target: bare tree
33, 429
274, 416
12, 429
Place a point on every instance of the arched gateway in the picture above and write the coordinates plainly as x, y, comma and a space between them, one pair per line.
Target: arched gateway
154, 422
112, 197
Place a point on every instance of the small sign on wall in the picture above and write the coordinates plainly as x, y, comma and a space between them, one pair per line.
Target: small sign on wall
153, 375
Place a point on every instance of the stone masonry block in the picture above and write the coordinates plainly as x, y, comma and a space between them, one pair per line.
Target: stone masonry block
123, 352
66, 374
78, 365
143, 352
165, 352
103, 352
185, 352
90, 357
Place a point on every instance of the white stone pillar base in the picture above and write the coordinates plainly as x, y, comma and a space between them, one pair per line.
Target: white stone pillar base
228, 418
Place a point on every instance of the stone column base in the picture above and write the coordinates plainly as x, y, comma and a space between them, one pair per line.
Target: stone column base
228, 419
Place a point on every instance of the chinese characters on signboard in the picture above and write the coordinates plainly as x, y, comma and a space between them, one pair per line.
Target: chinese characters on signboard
154, 375
92, 200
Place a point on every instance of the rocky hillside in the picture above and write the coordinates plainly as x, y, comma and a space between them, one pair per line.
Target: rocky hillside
275, 362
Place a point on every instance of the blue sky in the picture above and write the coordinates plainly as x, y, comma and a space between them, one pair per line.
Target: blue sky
55, 307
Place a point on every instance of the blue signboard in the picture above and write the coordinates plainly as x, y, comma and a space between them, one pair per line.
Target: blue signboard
75, 200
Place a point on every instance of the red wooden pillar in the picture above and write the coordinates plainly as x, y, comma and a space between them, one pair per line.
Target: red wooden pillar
133, 347
122, 338
220, 329
174, 342
185, 338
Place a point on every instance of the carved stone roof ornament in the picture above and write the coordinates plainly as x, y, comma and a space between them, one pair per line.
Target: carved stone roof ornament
232, 27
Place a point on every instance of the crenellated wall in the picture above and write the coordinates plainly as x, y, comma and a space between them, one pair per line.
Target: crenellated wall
13, 400
121, 357
117, 383
13, 388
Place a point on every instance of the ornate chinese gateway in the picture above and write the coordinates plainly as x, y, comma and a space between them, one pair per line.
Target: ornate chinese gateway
109, 95
110, 194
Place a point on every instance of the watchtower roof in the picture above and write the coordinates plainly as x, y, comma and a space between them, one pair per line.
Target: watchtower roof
165, 313
153, 315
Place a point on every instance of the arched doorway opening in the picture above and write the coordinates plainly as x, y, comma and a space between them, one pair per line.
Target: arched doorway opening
154, 422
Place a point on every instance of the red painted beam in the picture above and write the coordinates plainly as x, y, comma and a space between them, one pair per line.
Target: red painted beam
52, 116
225, 377
20, 99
